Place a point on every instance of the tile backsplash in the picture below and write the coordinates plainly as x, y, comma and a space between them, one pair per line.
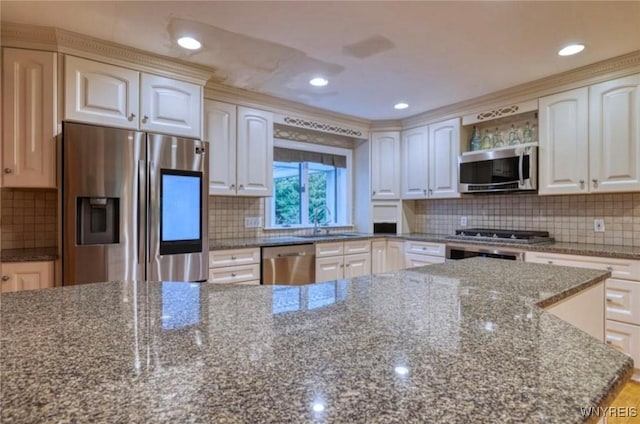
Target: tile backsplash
28, 218
567, 218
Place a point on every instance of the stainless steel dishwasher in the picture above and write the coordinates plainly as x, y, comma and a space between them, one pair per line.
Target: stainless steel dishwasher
289, 264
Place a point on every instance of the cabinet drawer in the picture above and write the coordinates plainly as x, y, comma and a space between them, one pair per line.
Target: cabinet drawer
625, 338
230, 257
249, 283
626, 269
623, 300
234, 274
329, 249
357, 246
413, 260
424, 248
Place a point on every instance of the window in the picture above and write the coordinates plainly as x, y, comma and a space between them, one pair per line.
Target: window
309, 186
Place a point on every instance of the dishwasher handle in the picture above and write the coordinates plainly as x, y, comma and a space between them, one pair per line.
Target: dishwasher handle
289, 255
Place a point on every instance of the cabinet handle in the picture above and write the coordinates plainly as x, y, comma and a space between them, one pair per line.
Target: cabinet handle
430, 191
241, 187
145, 118
425, 191
5, 278
608, 342
582, 183
609, 300
373, 193
550, 262
233, 274
595, 182
130, 117
8, 170
232, 186
609, 268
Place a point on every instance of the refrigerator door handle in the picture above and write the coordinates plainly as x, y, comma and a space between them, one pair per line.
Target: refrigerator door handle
142, 210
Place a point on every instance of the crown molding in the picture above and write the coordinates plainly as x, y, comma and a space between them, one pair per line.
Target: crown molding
288, 109
73, 43
314, 137
594, 73
388, 125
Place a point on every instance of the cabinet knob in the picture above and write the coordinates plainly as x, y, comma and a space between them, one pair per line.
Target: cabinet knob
145, 118
581, 182
241, 187
233, 274
373, 193
609, 300
8, 170
550, 262
131, 117
232, 186
595, 182
233, 258
609, 268
430, 191
347, 265
608, 342
425, 191
5, 278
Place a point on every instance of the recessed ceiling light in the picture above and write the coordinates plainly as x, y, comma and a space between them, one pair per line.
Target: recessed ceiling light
571, 49
400, 106
189, 43
319, 82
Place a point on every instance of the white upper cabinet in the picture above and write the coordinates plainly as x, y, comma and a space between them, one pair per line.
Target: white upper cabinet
385, 165
241, 149
590, 139
254, 173
220, 132
444, 148
103, 94
563, 155
414, 147
29, 118
170, 106
614, 135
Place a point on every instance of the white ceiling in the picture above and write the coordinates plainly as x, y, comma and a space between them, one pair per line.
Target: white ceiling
428, 54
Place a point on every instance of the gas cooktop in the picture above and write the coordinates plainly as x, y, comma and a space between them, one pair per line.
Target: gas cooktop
502, 235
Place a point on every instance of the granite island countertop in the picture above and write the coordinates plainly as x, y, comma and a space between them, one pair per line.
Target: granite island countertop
458, 343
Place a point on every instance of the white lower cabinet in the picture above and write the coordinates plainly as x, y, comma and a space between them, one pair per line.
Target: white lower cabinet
395, 255
584, 310
17, 276
420, 253
335, 261
235, 266
620, 299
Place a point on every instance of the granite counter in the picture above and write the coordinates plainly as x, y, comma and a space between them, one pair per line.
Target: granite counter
463, 342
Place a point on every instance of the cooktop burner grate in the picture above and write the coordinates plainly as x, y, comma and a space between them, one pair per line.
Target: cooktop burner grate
490, 234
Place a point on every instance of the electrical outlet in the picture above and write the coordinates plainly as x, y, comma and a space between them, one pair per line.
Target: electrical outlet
463, 221
252, 222
598, 225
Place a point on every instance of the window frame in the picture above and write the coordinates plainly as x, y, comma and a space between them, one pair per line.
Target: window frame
319, 148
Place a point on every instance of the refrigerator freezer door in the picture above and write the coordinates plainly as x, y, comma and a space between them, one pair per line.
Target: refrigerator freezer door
177, 214
102, 211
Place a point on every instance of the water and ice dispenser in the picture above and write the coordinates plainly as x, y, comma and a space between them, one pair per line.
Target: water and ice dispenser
98, 220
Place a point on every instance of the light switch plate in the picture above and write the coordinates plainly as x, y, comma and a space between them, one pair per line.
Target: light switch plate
598, 225
253, 222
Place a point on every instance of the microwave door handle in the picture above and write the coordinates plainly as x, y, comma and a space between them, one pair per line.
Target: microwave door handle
520, 168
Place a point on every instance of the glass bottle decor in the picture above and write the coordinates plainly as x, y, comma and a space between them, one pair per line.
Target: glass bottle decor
487, 142
497, 139
476, 141
527, 134
513, 136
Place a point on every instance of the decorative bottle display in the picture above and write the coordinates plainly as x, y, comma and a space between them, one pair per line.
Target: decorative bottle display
513, 136
476, 141
487, 142
527, 134
497, 139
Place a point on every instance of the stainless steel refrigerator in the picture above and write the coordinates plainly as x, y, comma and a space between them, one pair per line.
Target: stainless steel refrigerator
134, 206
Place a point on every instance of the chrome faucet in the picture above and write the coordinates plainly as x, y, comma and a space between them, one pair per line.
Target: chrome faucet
317, 230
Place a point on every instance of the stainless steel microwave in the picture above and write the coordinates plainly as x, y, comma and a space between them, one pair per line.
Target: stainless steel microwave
505, 169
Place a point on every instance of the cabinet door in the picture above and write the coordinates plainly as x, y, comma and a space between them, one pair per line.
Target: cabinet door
378, 256
29, 118
444, 148
625, 338
357, 265
623, 300
385, 166
414, 167
169, 106
614, 135
395, 255
18, 276
330, 268
220, 132
563, 154
254, 175
98, 93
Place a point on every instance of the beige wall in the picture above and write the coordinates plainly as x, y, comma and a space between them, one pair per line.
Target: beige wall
567, 218
28, 218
